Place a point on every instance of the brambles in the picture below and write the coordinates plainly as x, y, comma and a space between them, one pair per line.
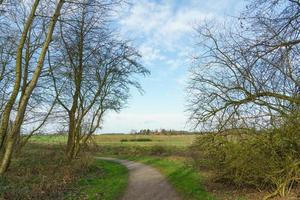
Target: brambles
247, 75
262, 159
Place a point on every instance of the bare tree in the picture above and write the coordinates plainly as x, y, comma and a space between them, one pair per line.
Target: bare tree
9, 135
248, 74
92, 70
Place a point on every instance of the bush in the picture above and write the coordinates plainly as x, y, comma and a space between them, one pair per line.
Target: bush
261, 159
136, 140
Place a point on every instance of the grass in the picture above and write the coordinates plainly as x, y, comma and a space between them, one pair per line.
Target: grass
42, 172
181, 174
170, 154
115, 139
109, 185
165, 140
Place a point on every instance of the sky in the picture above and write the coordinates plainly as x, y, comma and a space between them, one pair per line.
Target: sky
164, 33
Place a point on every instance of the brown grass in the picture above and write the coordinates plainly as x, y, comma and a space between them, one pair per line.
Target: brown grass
42, 172
225, 191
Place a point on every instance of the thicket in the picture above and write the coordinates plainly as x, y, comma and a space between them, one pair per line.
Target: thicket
268, 159
246, 74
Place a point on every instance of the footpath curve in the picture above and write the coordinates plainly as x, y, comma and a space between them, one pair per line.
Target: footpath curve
145, 182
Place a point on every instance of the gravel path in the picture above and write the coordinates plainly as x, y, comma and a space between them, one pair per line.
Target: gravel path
145, 183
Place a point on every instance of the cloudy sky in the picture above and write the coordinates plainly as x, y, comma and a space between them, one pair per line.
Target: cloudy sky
163, 31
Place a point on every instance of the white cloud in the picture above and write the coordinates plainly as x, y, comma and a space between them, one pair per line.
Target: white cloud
160, 23
163, 30
151, 54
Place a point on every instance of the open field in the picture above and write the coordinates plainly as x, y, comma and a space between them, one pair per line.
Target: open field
172, 155
124, 139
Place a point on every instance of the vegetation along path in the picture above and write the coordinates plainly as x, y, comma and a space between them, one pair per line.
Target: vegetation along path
145, 183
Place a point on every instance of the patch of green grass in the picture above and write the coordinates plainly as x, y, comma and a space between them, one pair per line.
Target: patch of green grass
180, 174
165, 140
106, 180
49, 139
116, 139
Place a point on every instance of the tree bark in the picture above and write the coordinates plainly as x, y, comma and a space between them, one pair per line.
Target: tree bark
5, 160
9, 105
74, 126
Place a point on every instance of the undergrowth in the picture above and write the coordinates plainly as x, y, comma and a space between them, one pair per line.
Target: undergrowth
43, 172
268, 159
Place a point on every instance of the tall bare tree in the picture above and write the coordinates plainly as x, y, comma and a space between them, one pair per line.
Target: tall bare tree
92, 70
248, 73
9, 135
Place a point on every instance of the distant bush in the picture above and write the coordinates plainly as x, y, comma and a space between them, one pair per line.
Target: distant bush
269, 159
158, 150
137, 150
136, 140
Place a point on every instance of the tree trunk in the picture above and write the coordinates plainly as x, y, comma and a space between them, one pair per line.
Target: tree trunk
11, 101
73, 142
71, 138
8, 147
6, 158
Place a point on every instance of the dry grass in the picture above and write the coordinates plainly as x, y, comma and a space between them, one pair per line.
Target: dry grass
42, 172
226, 191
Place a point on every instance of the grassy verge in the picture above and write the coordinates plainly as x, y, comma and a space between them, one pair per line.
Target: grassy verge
181, 174
42, 172
105, 180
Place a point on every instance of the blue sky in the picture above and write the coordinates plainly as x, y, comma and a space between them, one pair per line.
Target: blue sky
163, 32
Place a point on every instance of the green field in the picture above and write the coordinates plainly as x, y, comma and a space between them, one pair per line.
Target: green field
116, 139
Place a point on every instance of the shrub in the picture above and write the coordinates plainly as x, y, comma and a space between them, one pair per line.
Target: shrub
158, 150
136, 140
262, 159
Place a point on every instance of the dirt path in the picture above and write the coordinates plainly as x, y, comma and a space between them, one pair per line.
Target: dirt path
145, 183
